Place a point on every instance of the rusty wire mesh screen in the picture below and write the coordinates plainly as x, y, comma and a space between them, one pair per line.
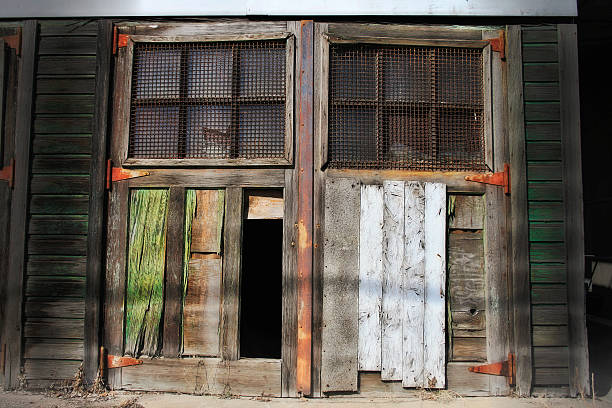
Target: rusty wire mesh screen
208, 100
406, 107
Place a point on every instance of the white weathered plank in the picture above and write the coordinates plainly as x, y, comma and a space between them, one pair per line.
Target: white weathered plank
370, 277
435, 285
393, 255
414, 286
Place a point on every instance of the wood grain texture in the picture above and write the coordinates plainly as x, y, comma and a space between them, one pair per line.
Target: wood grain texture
340, 286
265, 205
53, 349
435, 286
570, 135
201, 313
209, 376
467, 212
173, 276
232, 239
393, 279
370, 277
466, 275
413, 301
19, 208
520, 233
465, 383
207, 224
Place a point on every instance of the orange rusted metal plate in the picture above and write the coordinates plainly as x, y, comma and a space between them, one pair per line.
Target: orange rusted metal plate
501, 178
502, 368
119, 173
8, 173
305, 210
119, 361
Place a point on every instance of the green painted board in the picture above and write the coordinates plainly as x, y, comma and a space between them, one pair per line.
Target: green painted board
548, 273
545, 211
145, 271
541, 191
546, 232
545, 252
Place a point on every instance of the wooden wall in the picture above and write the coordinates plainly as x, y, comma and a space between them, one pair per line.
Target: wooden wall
56, 247
547, 241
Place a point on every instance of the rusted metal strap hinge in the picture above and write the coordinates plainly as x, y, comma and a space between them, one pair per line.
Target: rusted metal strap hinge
505, 368
119, 361
119, 173
499, 44
8, 173
119, 40
499, 179
14, 41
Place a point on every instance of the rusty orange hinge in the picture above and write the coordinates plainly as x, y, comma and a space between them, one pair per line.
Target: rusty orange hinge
505, 368
501, 178
499, 44
119, 173
119, 40
8, 173
119, 361
14, 41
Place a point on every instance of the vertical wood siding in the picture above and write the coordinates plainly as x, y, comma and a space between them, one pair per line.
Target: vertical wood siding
547, 250
57, 219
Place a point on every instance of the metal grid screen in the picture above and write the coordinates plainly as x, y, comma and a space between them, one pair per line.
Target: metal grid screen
208, 100
406, 107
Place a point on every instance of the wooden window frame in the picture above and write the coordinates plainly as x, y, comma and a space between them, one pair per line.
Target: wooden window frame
408, 36
123, 97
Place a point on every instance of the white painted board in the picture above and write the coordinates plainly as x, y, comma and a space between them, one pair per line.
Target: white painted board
414, 284
370, 277
392, 303
434, 328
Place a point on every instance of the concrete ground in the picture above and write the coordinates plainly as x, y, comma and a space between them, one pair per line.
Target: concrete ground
21, 399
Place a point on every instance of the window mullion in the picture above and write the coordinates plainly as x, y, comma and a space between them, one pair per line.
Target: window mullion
379, 108
433, 114
183, 103
234, 121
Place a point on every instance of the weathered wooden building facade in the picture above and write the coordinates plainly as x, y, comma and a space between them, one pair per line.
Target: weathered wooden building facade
292, 207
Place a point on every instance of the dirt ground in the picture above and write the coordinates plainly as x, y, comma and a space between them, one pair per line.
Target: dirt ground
22, 399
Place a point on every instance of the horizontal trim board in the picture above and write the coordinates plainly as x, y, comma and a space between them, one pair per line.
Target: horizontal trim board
548, 273
542, 211
551, 376
549, 314
54, 328
539, 191
65, 86
66, 65
548, 91
64, 184
549, 294
81, 45
59, 204
50, 369
51, 349
540, 171
541, 72
68, 27
530, 35
61, 144
543, 151
546, 232
546, 252
64, 103
56, 267
60, 164
550, 336
70, 309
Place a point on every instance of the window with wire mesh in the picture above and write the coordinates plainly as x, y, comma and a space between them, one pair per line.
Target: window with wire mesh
406, 107
208, 100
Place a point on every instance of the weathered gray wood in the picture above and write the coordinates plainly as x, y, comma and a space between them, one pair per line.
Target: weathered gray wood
399, 31
549, 294
59, 204
14, 281
544, 171
541, 92
64, 184
467, 213
413, 301
550, 336
233, 26
54, 328
548, 273
538, 35
466, 271
470, 349
65, 86
173, 288
543, 150
520, 234
50, 369
63, 125
265, 205
546, 211
542, 131
232, 237
68, 28
550, 357
551, 376
57, 245
208, 376
55, 287
201, 313
547, 252
74, 308
115, 279
541, 72
370, 277
340, 286
52, 164
77, 144
211, 178
64, 104
542, 111
207, 223
465, 383
95, 233
540, 53
572, 164
51, 349
67, 65
434, 332
49, 265
393, 279
67, 45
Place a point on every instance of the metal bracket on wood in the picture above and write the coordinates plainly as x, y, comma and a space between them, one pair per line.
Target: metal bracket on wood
14, 41
8, 173
119, 361
505, 368
119, 173
119, 40
499, 44
501, 178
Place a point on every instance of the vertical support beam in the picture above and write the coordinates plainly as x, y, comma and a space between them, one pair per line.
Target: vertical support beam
19, 207
305, 207
95, 231
232, 266
574, 227
173, 279
520, 232
5, 203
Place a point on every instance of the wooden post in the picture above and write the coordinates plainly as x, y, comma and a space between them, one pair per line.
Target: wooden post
574, 227
305, 208
95, 231
520, 231
19, 207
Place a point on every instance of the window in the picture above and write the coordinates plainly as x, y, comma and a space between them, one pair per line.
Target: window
406, 107
210, 101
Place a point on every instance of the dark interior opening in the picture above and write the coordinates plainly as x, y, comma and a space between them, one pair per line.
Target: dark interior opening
261, 289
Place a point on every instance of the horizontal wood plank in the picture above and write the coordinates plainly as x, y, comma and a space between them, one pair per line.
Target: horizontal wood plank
549, 314
548, 273
64, 104
464, 382
547, 252
531, 35
59, 204
543, 151
468, 320
467, 212
539, 191
542, 211
552, 232
469, 348
64, 45
466, 271
551, 376
50, 369
541, 92
63, 125
54, 328
51, 287
550, 336
58, 224
57, 245
65, 85
543, 72
55, 164
64, 184
61, 144
266, 204
548, 294
542, 111
70, 309
66, 65
52, 349
549, 131
68, 27
209, 376
539, 171
211, 178
540, 53
550, 357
